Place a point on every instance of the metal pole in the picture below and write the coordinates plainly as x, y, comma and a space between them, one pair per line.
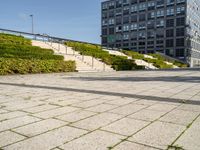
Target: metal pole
32, 24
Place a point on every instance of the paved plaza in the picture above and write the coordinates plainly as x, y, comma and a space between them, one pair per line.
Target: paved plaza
139, 110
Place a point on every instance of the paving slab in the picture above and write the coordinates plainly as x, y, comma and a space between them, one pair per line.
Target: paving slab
126, 126
181, 117
16, 122
76, 116
101, 108
128, 109
158, 134
40, 108
97, 140
97, 121
9, 137
147, 115
11, 115
39, 127
190, 140
48, 140
55, 112
132, 146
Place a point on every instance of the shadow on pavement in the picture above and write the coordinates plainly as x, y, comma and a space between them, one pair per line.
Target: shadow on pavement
154, 98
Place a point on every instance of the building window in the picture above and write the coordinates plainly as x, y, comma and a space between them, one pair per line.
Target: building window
160, 3
180, 10
170, 23
134, 27
170, 33
111, 21
142, 17
160, 23
180, 31
125, 36
170, 43
134, 18
126, 28
118, 28
151, 5
180, 21
111, 30
126, 19
134, 8
104, 31
142, 26
180, 1
142, 6
160, 13
170, 11
180, 52
170, 2
180, 42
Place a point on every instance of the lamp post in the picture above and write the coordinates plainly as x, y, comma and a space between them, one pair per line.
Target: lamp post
32, 24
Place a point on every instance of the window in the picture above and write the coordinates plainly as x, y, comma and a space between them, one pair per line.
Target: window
160, 3
142, 17
134, 18
119, 29
160, 23
170, 23
126, 19
170, 43
150, 34
151, 5
105, 22
118, 20
111, 21
180, 21
111, 30
125, 36
180, 31
134, 27
134, 8
142, 35
180, 52
180, 10
150, 24
160, 13
142, 7
170, 33
180, 42
151, 15
104, 31
170, 2
126, 11
126, 28
159, 33
170, 11
142, 25
180, 1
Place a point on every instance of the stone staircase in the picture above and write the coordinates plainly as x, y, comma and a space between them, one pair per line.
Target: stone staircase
83, 63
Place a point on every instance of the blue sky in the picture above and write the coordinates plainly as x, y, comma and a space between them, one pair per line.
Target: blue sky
74, 19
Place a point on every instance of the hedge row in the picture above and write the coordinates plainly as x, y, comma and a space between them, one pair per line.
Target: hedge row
117, 62
25, 66
13, 39
174, 62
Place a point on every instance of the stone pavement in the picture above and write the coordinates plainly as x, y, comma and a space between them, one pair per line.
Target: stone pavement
140, 110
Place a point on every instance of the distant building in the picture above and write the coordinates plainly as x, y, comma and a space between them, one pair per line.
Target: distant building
171, 27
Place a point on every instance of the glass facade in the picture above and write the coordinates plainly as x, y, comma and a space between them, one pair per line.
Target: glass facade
151, 26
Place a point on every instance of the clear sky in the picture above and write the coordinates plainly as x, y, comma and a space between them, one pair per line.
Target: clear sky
73, 19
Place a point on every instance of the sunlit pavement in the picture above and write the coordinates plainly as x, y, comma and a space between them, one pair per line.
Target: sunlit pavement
141, 110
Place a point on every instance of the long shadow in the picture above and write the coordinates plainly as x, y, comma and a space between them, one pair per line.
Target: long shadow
190, 79
172, 100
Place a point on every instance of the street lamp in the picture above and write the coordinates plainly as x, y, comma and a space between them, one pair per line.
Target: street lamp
32, 24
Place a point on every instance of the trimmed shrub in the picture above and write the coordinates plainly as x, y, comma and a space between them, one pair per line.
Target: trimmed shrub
24, 66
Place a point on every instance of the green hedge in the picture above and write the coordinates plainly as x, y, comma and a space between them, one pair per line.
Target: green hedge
134, 55
158, 63
25, 66
18, 56
13, 39
174, 62
117, 62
